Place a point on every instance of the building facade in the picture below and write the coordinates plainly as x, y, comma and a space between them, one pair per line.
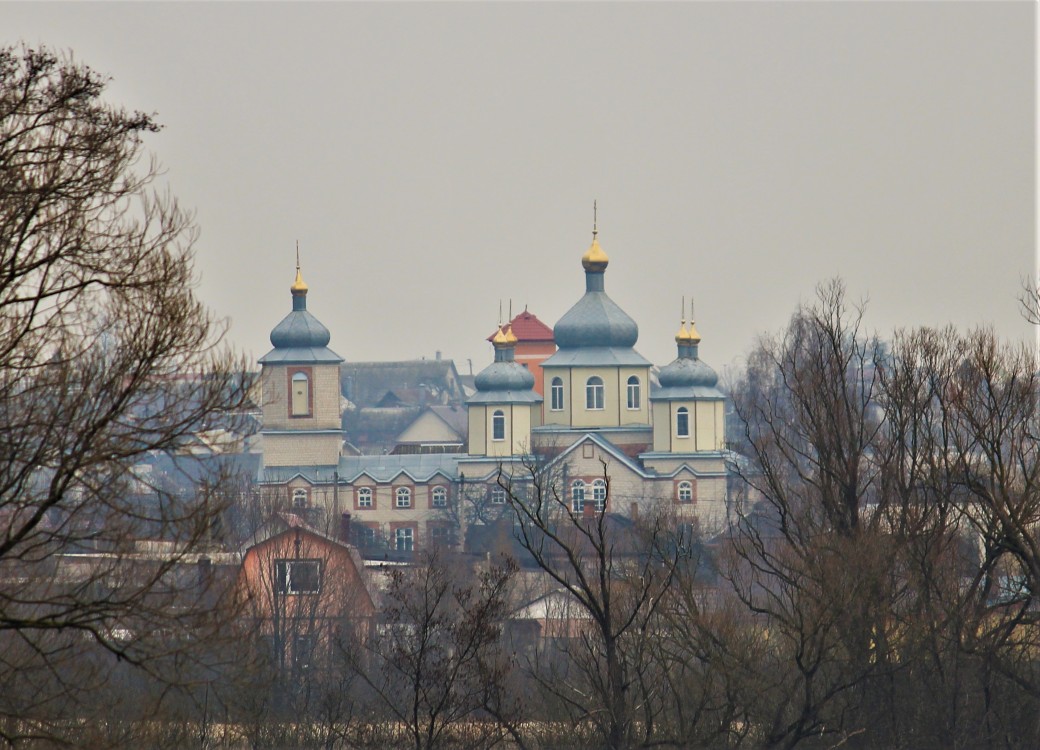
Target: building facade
612, 436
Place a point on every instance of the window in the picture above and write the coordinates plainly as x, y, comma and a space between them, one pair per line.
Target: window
599, 495
404, 540
594, 393
299, 498
498, 425
498, 495
298, 576
364, 536
684, 492
556, 394
439, 498
303, 651
404, 497
364, 497
633, 392
682, 422
578, 496
441, 536
300, 395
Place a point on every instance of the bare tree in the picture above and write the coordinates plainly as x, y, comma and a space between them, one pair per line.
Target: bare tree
435, 661
106, 358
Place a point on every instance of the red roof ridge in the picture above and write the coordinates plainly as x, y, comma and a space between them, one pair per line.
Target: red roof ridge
527, 327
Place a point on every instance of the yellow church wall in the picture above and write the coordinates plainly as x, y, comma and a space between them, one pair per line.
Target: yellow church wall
477, 430
325, 395
301, 450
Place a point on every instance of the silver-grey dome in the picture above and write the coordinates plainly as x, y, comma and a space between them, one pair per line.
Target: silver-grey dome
299, 329
686, 372
504, 376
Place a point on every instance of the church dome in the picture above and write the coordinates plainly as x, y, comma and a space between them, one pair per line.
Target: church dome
299, 329
595, 320
504, 376
686, 372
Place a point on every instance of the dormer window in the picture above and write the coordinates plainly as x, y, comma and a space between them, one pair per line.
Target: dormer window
299, 498
682, 422
300, 394
594, 393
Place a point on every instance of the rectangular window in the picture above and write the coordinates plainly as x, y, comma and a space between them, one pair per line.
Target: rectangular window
364, 536
298, 576
405, 540
441, 536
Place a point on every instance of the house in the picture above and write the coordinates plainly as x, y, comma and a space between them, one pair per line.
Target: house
302, 588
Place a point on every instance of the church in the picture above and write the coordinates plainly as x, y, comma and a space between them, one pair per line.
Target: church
613, 434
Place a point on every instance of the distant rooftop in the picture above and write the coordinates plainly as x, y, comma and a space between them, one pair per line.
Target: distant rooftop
527, 327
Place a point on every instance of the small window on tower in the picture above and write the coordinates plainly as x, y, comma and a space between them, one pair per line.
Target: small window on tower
682, 422
556, 395
300, 405
594, 393
498, 426
633, 393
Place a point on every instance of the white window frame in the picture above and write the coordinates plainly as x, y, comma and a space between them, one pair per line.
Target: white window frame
684, 488
284, 576
498, 426
594, 394
365, 498
578, 496
439, 497
556, 395
404, 539
403, 497
300, 498
599, 495
634, 394
497, 495
682, 422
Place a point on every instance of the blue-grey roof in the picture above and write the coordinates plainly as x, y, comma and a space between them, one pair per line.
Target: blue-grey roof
686, 377
685, 393
595, 320
300, 337
419, 467
504, 381
504, 397
597, 356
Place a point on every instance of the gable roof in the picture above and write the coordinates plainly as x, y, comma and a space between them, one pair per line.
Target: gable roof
367, 383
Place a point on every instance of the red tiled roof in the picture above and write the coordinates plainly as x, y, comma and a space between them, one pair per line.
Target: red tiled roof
527, 327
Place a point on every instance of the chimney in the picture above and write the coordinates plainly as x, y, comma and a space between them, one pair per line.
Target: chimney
344, 528
438, 355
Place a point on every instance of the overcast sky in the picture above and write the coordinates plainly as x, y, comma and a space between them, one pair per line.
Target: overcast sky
434, 158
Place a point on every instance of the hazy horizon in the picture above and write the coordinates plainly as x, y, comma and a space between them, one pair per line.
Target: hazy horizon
433, 159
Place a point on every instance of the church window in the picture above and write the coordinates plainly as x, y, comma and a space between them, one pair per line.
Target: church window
578, 496
299, 498
594, 393
599, 495
364, 497
682, 422
300, 396
633, 392
404, 497
498, 425
556, 394
439, 499
684, 492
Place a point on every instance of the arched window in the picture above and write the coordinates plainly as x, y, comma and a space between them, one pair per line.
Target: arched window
633, 392
299, 498
594, 393
556, 394
364, 497
301, 395
439, 499
599, 495
498, 425
684, 492
578, 496
682, 422
403, 497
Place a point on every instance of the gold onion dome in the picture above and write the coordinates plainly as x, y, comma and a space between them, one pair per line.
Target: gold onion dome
299, 285
683, 336
594, 258
501, 338
693, 337
511, 338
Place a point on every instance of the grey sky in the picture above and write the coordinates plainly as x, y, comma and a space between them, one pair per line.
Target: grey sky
434, 158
